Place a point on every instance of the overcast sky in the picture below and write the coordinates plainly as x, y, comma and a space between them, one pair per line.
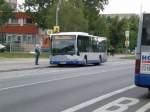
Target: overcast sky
127, 6
123, 6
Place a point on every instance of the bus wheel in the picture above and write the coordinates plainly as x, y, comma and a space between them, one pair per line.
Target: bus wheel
100, 59
85, 58
98, 63
148, 89
60, 65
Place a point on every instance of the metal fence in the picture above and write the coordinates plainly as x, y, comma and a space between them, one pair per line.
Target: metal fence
19, 47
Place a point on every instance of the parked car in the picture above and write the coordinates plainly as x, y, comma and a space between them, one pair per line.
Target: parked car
2, 48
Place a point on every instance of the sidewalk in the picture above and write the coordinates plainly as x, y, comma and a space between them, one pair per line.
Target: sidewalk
28, 63
21, 64
116, 58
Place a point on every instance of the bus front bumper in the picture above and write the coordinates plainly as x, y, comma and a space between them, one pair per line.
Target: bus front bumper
142, 80
67, 62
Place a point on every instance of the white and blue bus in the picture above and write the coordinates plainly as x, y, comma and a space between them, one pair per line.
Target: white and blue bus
77, 48
142, 67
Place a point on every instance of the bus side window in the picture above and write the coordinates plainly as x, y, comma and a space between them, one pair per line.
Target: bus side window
145, 40
144, 35
87, 46
94, 44
83, 44
80, 44
100, 46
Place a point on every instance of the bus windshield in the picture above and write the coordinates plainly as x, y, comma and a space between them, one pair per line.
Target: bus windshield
62, 45
146, 30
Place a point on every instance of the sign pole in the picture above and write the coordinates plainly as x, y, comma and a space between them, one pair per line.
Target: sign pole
127, 34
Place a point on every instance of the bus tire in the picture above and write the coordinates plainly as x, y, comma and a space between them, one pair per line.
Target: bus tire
60, 65
100, 59
86, 60
148, 89
98, 63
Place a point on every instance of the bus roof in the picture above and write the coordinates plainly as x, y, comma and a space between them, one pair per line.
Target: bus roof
71, 33
101, 38
77, 33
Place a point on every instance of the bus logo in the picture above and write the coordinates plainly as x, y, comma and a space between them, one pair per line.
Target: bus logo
145, 58
145, 63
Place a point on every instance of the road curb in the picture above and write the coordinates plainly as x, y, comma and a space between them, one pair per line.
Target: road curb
21, 69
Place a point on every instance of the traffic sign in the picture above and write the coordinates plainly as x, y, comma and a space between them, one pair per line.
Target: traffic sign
127, 43
127, 33
49, 32
56, 29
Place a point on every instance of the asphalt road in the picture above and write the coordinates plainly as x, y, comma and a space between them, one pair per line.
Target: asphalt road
71, 89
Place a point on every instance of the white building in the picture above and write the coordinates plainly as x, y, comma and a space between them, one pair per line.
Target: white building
13, 3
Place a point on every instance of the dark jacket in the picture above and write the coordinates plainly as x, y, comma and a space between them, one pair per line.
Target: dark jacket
37, 51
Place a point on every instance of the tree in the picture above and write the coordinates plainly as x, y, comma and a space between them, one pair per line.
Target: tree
113, 37
5, 12
41, 9
38, 5
71, 17
117, 28
134, 20
96, 5
91, 11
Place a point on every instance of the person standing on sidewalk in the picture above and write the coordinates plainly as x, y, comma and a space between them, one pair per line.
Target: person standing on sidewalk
37, 54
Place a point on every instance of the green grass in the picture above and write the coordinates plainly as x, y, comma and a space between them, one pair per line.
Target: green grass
21, 55
128, 57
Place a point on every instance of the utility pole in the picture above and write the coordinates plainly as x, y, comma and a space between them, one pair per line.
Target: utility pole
57, 11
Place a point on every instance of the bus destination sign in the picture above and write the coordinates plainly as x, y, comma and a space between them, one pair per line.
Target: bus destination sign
64, 37
145, 63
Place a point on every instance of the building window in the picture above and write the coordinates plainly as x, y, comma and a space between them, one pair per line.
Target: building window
19, 38
25, 38
2, 38
29, 21
33, 39
24, 21
29, 39
21, 22
14, 21
9, 21
9, 39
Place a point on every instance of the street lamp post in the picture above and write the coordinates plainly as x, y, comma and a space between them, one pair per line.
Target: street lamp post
127, 33
57, 11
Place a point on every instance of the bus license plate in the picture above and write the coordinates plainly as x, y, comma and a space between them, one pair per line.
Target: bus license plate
62, 62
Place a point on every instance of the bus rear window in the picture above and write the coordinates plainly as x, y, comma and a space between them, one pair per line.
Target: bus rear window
146, 30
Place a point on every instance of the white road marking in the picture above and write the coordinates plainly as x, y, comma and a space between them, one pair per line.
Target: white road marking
144, 108
121, 107
56, 71
57, 79
23, 75
95, 100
